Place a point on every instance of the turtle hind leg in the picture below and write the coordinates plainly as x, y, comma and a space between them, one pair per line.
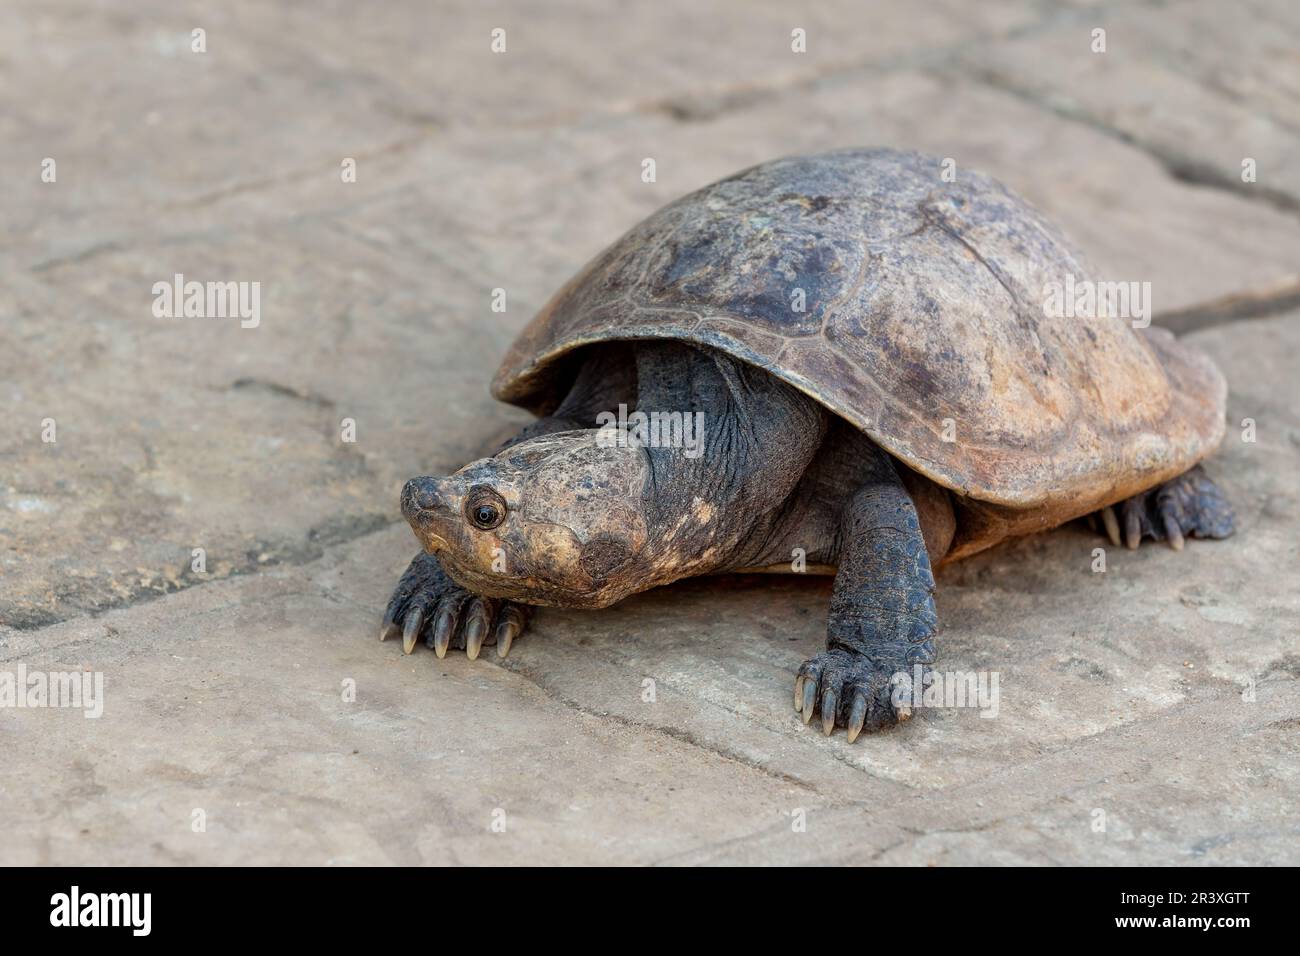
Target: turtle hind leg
1189, 505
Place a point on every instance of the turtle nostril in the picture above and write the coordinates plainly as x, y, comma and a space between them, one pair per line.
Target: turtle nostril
418, 495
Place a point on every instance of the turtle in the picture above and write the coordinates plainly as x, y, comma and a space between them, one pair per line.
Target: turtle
840, 363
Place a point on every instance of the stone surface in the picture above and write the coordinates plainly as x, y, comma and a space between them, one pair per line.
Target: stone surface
1121, 692
1200, 89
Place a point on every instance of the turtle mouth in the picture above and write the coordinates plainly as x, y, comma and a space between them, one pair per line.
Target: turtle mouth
525, 588
431, 542
429, 539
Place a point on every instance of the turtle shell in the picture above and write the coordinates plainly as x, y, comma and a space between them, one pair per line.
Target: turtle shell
915, 309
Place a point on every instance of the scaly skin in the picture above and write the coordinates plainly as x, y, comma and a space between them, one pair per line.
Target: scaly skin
882, 619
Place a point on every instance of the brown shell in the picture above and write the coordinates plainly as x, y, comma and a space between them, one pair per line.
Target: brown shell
923, 324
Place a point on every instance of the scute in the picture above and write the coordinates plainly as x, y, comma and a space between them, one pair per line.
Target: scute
922, 322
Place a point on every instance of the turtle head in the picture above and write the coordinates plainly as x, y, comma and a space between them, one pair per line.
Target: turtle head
554, 520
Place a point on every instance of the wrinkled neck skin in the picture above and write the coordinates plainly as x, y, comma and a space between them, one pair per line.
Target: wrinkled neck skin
712, 510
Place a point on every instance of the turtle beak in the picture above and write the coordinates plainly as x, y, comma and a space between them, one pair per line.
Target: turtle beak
429, 510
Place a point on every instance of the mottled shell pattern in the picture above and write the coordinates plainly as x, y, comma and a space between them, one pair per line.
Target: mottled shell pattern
915, 309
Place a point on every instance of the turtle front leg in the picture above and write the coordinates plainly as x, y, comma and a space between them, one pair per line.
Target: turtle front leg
882, 619
1189, 505
429, 602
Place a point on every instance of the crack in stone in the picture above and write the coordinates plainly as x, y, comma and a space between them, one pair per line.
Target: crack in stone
1178, 166
290, 177
313, 547
710, 104
284, 391
89, 252
673, 733
1263, 304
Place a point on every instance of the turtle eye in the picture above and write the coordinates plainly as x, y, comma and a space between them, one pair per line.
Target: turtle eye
485, 509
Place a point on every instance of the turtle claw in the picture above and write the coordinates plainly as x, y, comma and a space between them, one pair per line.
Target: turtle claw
428, 602
828, 712
1174, 534
857, 716
475, 629
809, 698
1112, 524
411, 630
1132, 528
1189, 505
505, 637
855, 692
443, 628
509, 623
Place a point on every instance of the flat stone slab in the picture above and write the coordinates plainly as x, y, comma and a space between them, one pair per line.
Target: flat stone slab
1147, 714
1158, 700
1201, 108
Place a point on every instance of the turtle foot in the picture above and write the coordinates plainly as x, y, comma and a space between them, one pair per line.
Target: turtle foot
1190, 505
847, 689
428, 602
